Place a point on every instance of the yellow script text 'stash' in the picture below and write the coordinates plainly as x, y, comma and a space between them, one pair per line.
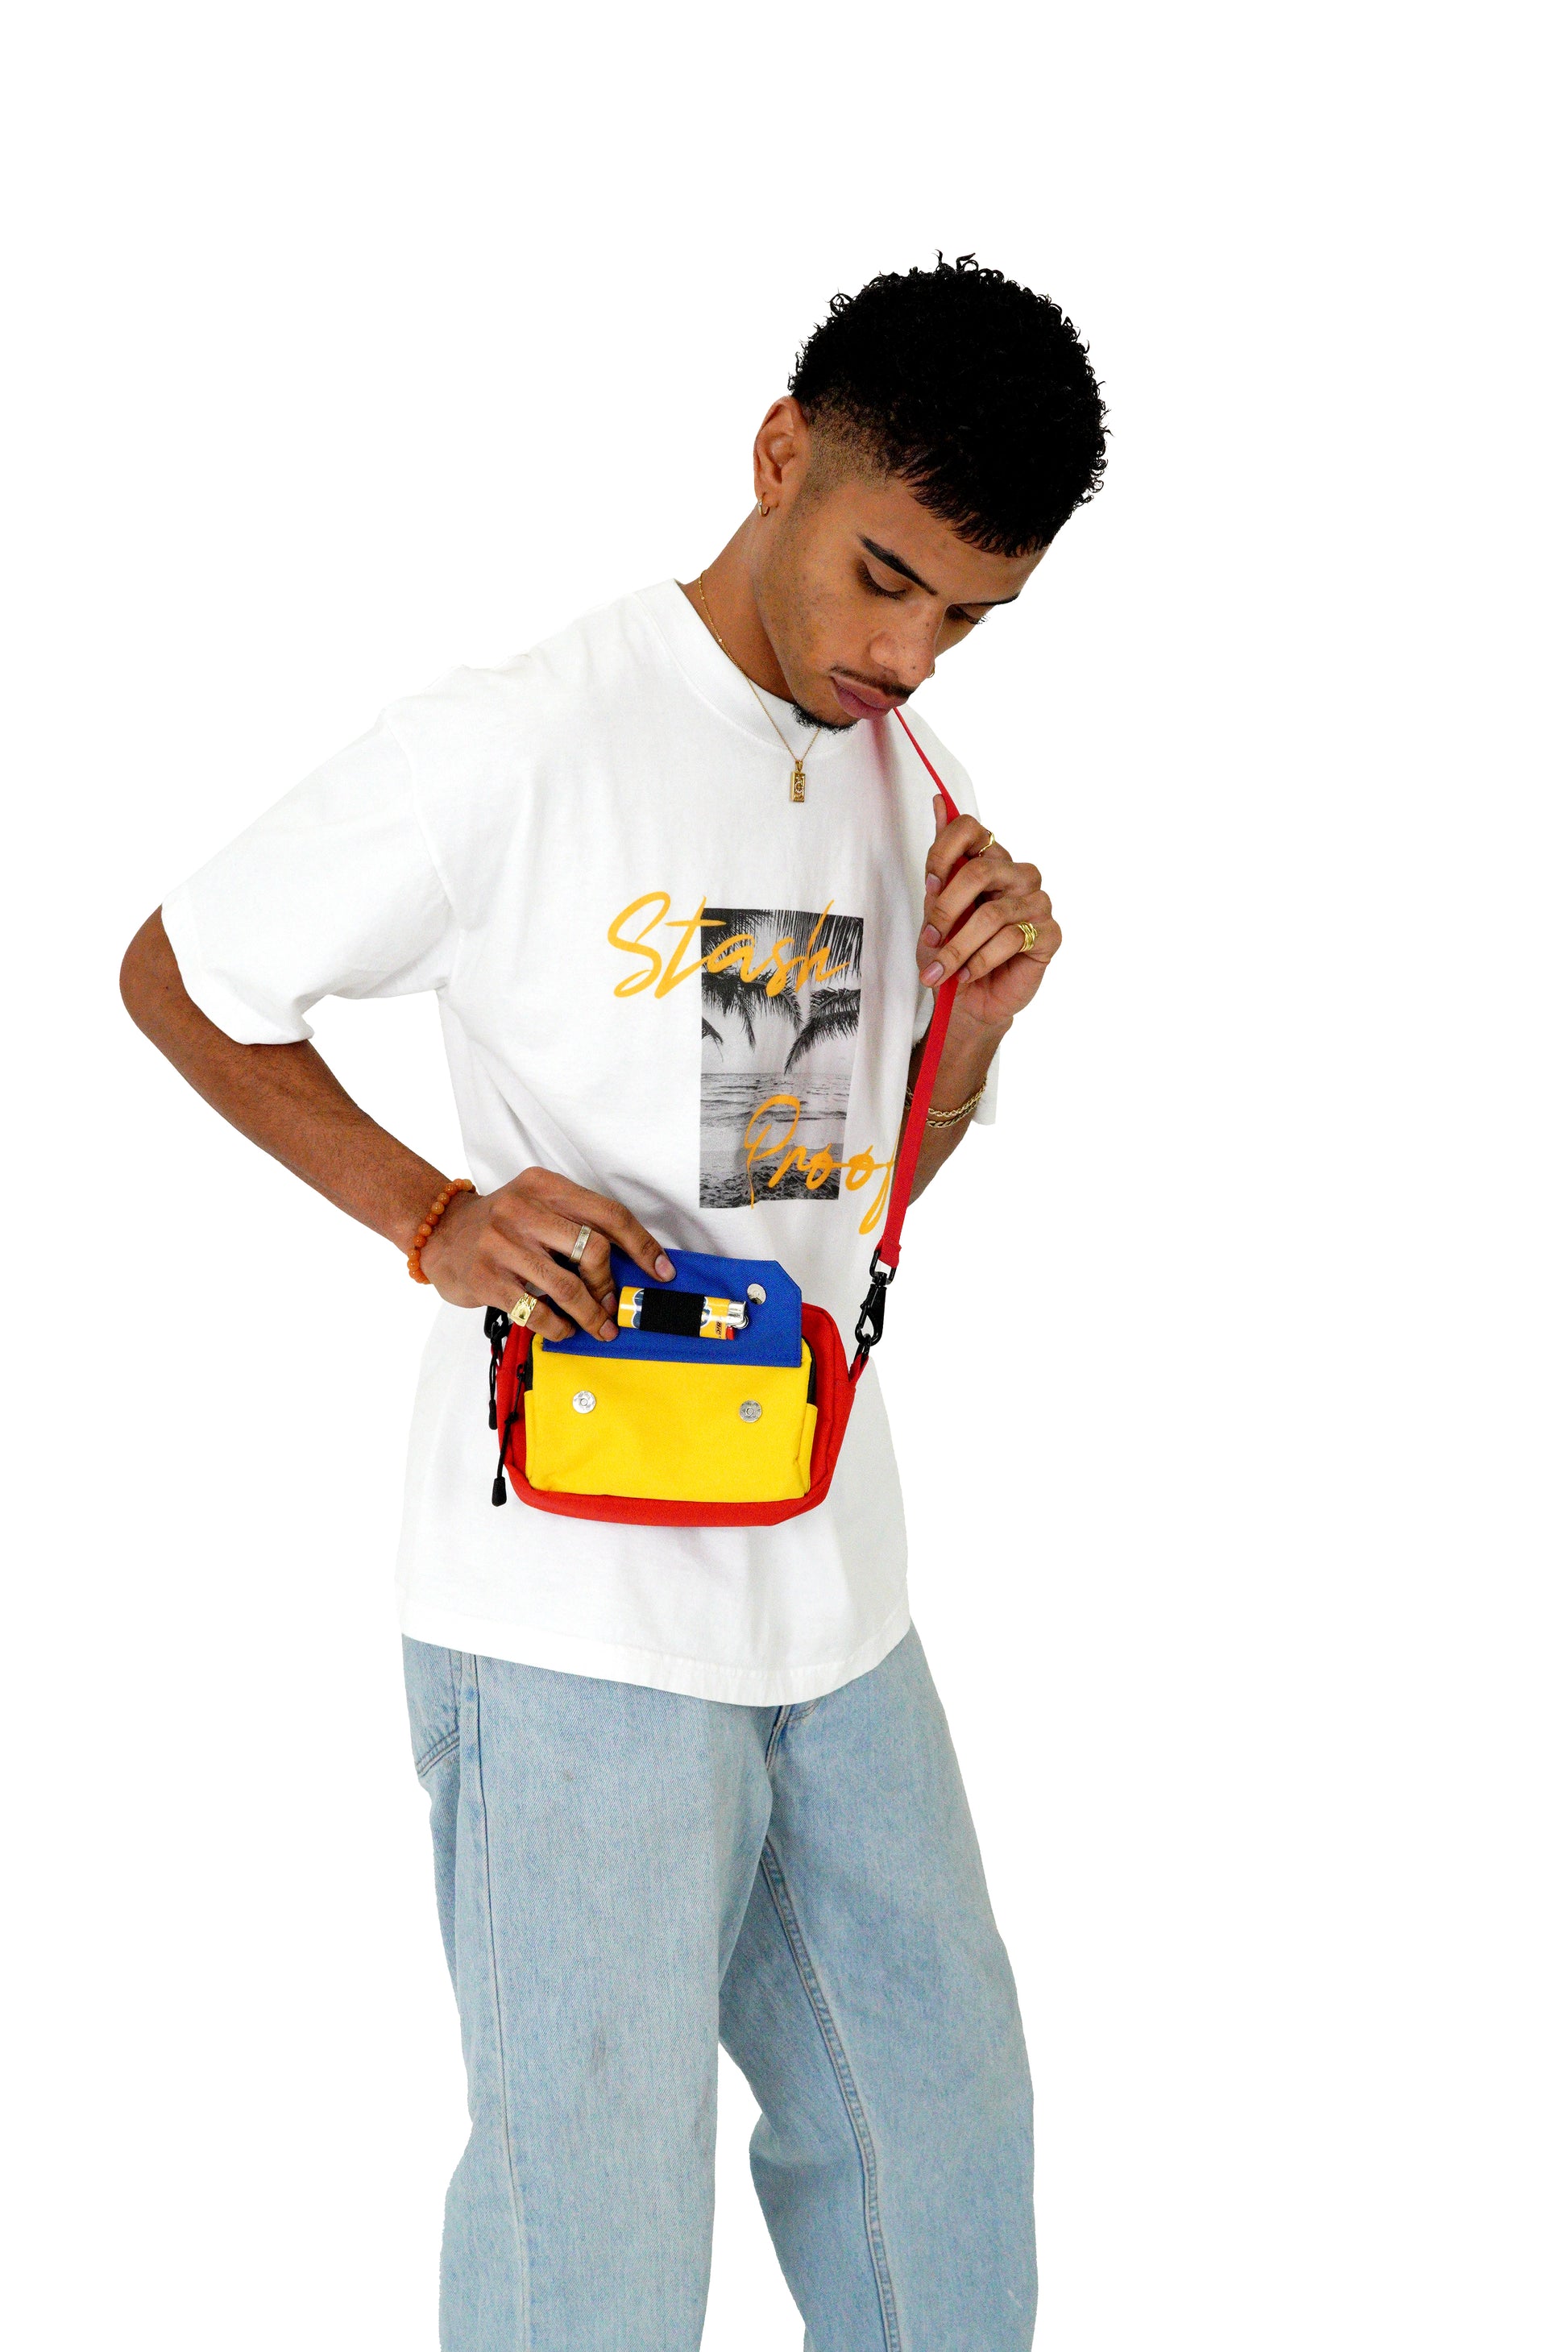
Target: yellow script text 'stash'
663, 974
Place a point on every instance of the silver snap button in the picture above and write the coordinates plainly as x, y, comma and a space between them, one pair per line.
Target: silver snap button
750, 1409
756, 1294
585, 1401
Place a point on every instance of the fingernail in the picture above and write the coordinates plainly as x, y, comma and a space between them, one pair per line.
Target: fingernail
661, 1265
931, 937
607, 1330
933, 882
932, 971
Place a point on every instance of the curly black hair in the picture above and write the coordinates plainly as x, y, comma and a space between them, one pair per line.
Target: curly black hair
974, 390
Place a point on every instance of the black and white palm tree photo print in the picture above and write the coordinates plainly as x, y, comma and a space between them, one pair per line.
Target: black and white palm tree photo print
781, 1018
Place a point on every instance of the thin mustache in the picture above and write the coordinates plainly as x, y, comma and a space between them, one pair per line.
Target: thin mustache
859, 678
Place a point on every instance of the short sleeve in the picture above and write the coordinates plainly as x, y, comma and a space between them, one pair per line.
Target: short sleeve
333, 892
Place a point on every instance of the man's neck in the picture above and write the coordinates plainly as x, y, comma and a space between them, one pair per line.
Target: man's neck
731, 613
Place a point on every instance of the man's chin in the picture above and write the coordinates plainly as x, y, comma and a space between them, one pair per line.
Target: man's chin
839, 724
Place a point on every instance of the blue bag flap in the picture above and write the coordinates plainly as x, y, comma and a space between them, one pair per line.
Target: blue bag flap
772, 1335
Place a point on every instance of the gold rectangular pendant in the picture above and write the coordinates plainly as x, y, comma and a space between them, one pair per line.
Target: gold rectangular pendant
797, 781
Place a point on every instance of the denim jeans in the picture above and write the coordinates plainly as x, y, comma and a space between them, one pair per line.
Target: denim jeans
626, 1879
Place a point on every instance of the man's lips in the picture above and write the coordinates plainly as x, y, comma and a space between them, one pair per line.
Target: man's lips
864, 701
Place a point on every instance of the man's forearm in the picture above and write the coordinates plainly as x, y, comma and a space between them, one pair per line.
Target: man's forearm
968, 1052
283, 1098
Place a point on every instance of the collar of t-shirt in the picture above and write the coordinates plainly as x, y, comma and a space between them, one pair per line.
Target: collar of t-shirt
725, 687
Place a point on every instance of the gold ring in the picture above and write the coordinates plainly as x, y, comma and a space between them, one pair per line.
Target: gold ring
524, 1308
1030, 935
584, 1235
985, 845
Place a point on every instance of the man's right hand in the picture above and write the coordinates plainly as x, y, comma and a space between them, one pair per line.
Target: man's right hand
492, 1247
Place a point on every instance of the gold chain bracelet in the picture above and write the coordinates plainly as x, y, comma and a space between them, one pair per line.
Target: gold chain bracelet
940, 1119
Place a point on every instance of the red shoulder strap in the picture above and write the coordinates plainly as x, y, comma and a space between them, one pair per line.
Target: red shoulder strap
885, 1253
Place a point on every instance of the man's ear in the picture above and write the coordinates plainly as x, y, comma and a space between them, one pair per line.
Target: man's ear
781, 453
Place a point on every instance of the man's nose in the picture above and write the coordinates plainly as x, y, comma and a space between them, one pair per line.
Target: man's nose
904, 658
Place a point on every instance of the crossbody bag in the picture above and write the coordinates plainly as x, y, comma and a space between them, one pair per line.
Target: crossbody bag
712, 1423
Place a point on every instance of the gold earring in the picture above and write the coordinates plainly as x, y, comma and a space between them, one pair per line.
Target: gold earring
762, 510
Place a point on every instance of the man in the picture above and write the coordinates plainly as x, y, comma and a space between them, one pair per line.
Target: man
690, 1784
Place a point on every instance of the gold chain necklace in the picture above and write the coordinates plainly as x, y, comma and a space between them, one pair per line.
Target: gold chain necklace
797, 780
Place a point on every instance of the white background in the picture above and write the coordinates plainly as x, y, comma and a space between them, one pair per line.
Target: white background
352, 341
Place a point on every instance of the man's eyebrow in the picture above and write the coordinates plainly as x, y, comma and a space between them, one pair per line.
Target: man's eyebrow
896, 564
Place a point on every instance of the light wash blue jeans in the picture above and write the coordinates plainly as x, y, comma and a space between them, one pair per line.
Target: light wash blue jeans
625, 1878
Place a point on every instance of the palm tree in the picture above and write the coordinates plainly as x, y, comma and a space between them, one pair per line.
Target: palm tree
727, 992
834, 938
834, 1013
709, 1031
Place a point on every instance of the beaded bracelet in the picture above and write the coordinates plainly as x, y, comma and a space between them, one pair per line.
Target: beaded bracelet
432, 1216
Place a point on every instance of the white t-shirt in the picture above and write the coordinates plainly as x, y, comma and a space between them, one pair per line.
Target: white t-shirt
570, 851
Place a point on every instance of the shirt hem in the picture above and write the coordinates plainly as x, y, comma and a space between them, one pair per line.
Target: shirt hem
529, 1646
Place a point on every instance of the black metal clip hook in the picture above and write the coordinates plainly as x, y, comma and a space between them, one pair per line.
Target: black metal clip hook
873, 1306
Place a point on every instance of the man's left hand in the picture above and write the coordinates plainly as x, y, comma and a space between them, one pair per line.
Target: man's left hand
977, 911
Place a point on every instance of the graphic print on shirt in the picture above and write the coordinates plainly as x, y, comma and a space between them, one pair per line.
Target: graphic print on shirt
781, 1022
793, 1079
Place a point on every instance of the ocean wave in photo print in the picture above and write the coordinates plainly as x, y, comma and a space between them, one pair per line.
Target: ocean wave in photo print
798, 1120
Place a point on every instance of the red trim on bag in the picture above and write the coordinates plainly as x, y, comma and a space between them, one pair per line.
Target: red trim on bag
835, 1395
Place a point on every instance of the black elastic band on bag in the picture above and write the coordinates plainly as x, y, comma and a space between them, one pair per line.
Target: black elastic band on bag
497, 1330
497, 1326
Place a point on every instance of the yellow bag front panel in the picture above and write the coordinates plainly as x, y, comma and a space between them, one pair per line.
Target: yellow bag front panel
671, 1433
